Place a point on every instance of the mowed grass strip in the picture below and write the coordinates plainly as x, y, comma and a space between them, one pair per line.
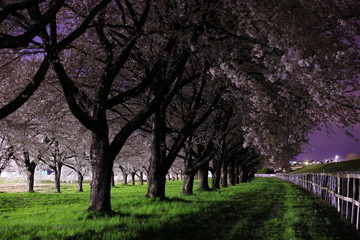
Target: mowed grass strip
262, 209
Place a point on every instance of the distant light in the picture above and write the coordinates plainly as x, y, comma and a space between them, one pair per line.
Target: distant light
336, 158
306, 163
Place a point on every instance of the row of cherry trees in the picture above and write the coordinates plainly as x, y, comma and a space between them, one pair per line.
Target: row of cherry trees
222, 81
56, 149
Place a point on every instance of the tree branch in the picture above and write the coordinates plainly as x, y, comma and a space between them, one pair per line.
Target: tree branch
23, 40
27, 92
70, 91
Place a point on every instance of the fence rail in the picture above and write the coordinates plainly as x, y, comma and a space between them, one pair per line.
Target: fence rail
265, 175
342, 191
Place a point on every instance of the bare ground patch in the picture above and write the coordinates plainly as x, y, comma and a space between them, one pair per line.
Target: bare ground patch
22, 187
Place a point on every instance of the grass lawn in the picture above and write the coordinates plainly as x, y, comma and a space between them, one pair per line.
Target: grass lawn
266, 208
352, 166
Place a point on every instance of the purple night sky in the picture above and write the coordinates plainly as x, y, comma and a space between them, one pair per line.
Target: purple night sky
338, 144
327, 147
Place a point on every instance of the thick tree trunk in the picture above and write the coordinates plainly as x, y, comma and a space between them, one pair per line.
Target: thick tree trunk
203, 177
216, 176
215, 183
30, 178
133, 174
57, 177
141, 178
156, 186
30, 167
80, 181
125, 176
157, 173
224, 174
188, 184
156, 179
101, 167
100, 188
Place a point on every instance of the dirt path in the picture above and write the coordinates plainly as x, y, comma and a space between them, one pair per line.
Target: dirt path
22, 187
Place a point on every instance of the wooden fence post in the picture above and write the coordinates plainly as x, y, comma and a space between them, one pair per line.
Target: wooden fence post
338, 192
341, 191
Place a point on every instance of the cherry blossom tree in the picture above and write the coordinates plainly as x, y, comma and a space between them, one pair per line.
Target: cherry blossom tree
6, 153
133, 158
44, 117
20, 23
287, 67
112, 87
24, 150
193, 110
293, 69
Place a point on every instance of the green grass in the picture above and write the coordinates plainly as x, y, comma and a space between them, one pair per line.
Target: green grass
266, 208
352, 166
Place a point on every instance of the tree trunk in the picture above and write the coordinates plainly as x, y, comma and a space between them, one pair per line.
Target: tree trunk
215, 184
224, 174
157, 173
243, 176
156, 179
141, 178
133, 174
125, 176
188, 184
112, 179
30, 167
237, 172
57, 177
100, 188
217, 164
101, 167
204, 178
156, 186
80, 181
30, 177
80, 177
231, 172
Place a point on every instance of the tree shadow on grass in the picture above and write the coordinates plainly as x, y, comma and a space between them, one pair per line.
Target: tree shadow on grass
220, 220
176, 200
237, 217
254, 215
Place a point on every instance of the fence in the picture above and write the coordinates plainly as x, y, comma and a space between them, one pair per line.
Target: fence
264, 175
342, 191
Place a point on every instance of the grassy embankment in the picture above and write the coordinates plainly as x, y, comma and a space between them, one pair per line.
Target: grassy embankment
352, 166
262, 209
